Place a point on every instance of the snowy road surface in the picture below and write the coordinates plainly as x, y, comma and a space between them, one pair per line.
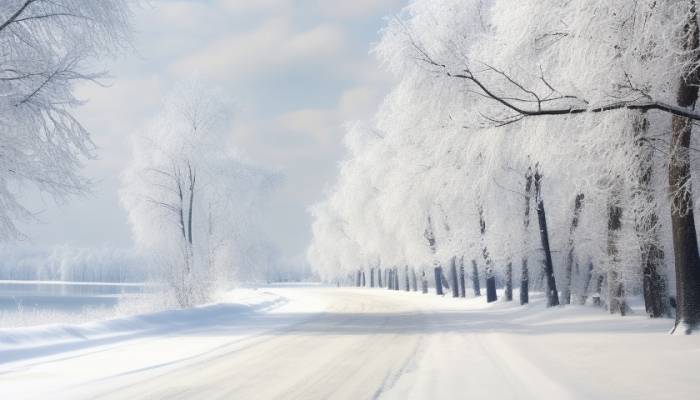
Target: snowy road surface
318, 343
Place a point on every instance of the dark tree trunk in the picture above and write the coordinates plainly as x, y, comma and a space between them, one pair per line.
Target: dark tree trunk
524, 270
491, 289
656, 298
408, 285
509, 282
359, 278
525, 283
475, 279
686, 254
491, 295
438, 281
181, 210
462, 282
616, 290
379, 277
685, 244
389, 278
424, 282
414, 280
453, 275
566, 288
551, 290
371, 277
364, 283
396, 278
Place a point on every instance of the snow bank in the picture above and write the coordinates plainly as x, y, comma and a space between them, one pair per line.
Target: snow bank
30, 342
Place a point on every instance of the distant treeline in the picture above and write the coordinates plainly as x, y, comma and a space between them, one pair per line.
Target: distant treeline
67, 263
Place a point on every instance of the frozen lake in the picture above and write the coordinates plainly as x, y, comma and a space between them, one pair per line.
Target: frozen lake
71, 297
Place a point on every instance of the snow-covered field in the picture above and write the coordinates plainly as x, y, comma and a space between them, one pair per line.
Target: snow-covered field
312, 342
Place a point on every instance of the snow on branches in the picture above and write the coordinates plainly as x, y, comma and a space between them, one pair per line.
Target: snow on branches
195, 208
46, 48
581, 93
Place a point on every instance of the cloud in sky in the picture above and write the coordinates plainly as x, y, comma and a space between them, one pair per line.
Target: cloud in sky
326, 8
274, 45
298, 70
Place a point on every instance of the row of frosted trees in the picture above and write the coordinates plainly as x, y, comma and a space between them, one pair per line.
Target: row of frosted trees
67, 263
537, 145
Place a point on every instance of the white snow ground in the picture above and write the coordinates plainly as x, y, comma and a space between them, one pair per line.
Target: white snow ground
318, 343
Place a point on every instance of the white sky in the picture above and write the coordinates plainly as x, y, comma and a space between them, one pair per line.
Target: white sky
297, 70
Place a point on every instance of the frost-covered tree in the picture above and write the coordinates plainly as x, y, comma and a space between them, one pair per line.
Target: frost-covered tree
586, 93
595, 58
194, 208
47, 48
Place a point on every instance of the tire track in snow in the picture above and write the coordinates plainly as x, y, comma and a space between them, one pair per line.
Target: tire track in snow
519, 371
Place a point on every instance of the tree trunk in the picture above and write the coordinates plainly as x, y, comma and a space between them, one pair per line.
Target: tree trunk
583, 296
396, 278
551, 290
491, 289
414, 279
181, 209
656, 298
524, 270
445, 281
453, 275
683, 225
424, 282
525, 283
616, 290
359, 278
566, 289
491, 295
364, 283
475, 279
509, 282
371, 277
462, 282
408, 286
438, 281
685, 244
379, 277
597, 296
193, 180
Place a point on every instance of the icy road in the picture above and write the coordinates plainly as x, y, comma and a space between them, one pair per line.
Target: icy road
320, 343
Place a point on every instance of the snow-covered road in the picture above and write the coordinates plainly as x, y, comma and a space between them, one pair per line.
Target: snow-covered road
361, 344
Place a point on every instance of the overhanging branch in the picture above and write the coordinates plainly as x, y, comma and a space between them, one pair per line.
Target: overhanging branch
530, 97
